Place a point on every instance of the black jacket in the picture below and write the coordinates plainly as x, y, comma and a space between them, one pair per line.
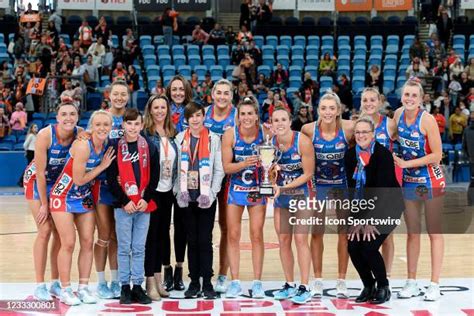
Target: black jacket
381, 182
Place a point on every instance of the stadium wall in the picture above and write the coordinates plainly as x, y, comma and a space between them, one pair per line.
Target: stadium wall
12, 165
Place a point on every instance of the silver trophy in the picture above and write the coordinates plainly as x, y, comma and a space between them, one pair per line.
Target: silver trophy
269, 155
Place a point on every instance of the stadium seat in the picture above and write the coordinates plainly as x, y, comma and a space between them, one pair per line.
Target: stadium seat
185, 70
145, 40
6, 147
209, 60
164, 60
308, 21
222, 50
94, 99
292, 21
158, 39
328, 40
259, 40
295, 82
192, 50
312, 61
297, 60
408, 40
228, 71
153, 70
284, 60
164, 50
360, 40
267, 50
283, 50
149, 60
314, 40
376, 40
297, 50
223, 61
268, 60
265, 70
216, 71
299, 40
177, 50
286, 40
343, 40
179, 60
168, 70
194, 60
207, 50
200, 70
295, 71
312, 50
271, 40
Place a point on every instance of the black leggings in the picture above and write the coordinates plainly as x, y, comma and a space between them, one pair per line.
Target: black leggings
368, 261
158, 247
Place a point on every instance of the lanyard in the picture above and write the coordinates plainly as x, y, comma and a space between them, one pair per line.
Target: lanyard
166, 146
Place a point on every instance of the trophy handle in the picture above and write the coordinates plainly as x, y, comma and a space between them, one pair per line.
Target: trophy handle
278, 154
254, 148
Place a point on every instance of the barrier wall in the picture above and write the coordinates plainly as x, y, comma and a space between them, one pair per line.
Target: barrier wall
12, 164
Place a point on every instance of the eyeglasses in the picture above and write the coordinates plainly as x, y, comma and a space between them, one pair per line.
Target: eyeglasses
360, 133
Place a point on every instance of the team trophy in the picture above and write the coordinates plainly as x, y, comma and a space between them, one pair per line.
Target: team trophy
269, 156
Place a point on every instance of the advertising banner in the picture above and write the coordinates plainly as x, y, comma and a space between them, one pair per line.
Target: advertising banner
76, 4
114, 5
393, 5
353, 5
316, 5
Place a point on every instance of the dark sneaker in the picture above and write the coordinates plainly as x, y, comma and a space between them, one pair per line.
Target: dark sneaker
168, 278
126, 295
208, 291
193, 291
178, 279
139, 295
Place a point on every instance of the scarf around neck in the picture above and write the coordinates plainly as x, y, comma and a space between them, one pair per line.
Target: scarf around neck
363, 159
203, 154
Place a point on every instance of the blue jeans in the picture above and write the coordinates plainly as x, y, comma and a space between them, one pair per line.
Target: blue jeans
132, 230
168, 35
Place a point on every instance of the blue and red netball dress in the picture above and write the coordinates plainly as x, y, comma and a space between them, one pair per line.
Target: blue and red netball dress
219, 127
68, 197
381, 133
291, 167
330, 173
105, 196
422, 183
56, 159
244, 185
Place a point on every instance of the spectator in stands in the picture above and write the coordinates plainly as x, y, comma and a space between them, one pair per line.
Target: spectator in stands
4, 123
327, 67
91, 72
441, 76
18, 120
68, 94
267, 103
457, 123
452, 56
444, 26
264, 14
416, 69
133, 82
230, 36
280, 77
53, 36
374, 78
217, 35
245, 36
468, 148
108, 61
200, 37
77, 71
343, 90
194, 82
245, 13
130, 48
454, 89
427, 104
438, 53
6, 73
30, 141
417, 49
45, 53
262, 84
158, 88
470, 98
470, 69
19, 46
169, 22
237, 54
19, 89
309, 90
255, 52
119, 73
102, 30
85, 35
97, 51
464, 110
247, 66
466, 83
56, 19
303, 117
440, 120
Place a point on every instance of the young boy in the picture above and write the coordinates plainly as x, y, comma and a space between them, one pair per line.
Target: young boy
133, 184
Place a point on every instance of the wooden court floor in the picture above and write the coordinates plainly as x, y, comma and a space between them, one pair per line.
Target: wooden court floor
17, 233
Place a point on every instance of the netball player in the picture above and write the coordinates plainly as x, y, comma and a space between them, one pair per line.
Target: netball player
52, 146
72, 205
240, 162
423, 185
330, 136
220, 116
296, 169
106, 244
371, 103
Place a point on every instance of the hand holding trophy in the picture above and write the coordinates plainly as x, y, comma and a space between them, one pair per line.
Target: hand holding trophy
269, 155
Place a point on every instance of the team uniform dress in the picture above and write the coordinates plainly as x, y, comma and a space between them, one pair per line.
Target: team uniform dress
69, 197
56, 159
291, 167
244, 185
425, 182
381, 133
219, 128
330, 173
104, 192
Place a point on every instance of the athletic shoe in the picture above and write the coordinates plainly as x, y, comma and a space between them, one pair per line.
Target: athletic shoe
178, 283
139, 295
432, 293
286, 292
341, 289
104, 292
126, 295
234, 290
193, 291
86, 297
68, 297
410, 289
303, 296
208, 291
257, 290
42, 294
220, 284
55, 289
116, 289
317, 288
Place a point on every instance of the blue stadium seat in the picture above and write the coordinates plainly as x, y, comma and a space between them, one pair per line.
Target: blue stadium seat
344, 50
192, 50
343, 70
148, 50
216, 71
164, 60
21, 139
360, 40
358, 71
459, 39
375, 60
175, 40
295, 82
259, 40
209, 60
38, 123
358, 84
18, 147
312, 61
391, 49
163, 50
376, 50
268, 60
265, 70
284, 60
408, 40
168, 70
388, 85
177, 50
185, 70
145, 40
228, 71
326, 81
94, 99
295, 71
223, 60
179, 60
297, 50
297, 60
153, 70
10, 139
267, 50
149, 60
6, 147
286, 41
200, 70
376, 40
2, 38
343, 61
167, 80
393, 40
194, 60
39, 116
401, 81
207, 50
359, 61
312, 50
158, 40
391, 60
271, 40
314, 40
283, 50
389, 71
343, 40
327, 40
299, 40
222, 50
327, 49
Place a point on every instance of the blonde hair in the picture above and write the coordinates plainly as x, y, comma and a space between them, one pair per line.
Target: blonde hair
414, 83
99, 112
250, 101
223, 82
370, 90
366, 119
331, 96
148, 118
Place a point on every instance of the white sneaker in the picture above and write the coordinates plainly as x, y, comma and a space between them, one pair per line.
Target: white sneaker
432, 293
317, 288
341, 289
86, 297
68, 297
220, 284
410, 289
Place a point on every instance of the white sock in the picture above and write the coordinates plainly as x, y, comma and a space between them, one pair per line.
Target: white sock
114, 275
101, 277
83, 286
318, 279
40, 284
54, 280
237, 281
411, 281
256, 281
434, 284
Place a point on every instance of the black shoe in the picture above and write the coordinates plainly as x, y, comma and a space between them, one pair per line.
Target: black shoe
208, 290
139, 295
178, 279
382, 295
126, 295
366, 294
168, 279
193, 291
